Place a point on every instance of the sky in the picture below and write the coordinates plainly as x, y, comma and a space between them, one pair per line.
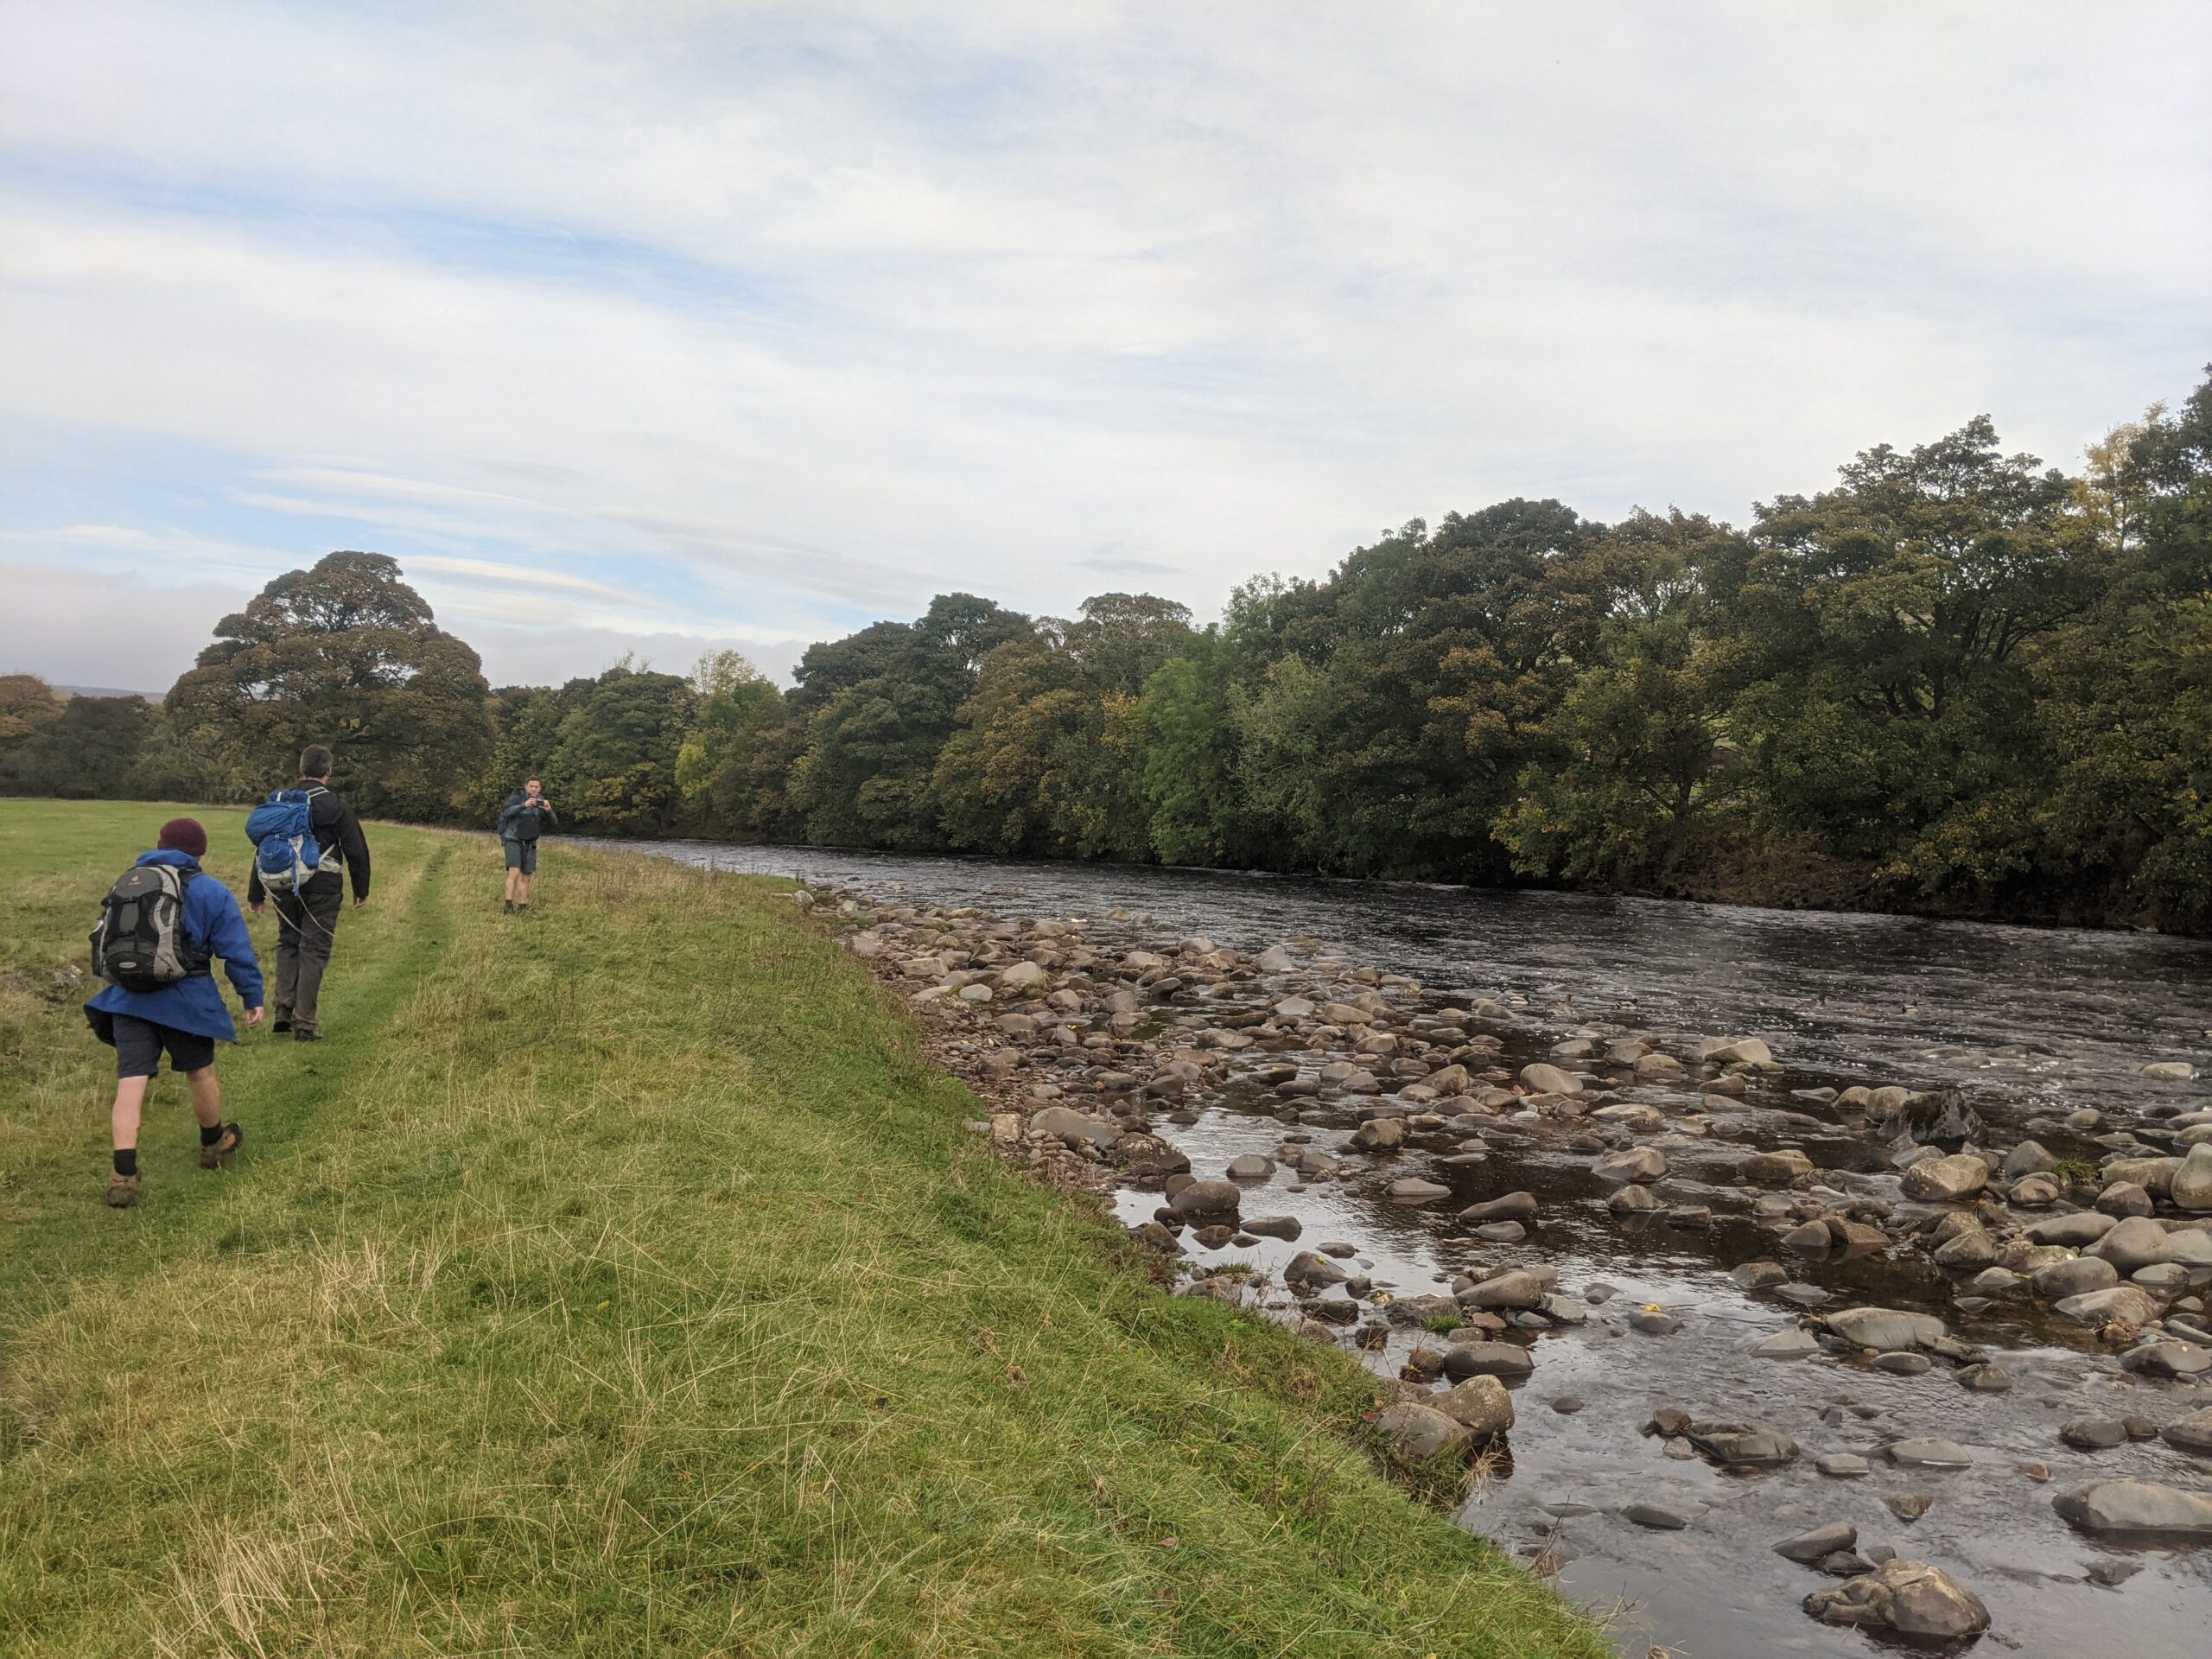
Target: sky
661, 328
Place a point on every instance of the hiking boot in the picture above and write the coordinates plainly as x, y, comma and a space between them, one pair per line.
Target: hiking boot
216, 1156
282, 1023
122, 1191
303, 1035
511, 907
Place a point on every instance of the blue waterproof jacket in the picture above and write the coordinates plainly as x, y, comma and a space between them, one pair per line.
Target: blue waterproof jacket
214, 927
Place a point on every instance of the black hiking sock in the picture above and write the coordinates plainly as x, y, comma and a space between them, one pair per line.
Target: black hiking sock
208, 1136
126, 1160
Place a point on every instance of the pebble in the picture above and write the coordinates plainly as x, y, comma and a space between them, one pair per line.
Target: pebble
1652, 1516
1843, 1465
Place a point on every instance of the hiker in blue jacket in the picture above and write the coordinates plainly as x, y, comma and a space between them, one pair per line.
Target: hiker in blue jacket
187, 1018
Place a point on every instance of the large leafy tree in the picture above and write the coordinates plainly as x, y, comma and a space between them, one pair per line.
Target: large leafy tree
1645, 767
88, 750
612, 766
344, 654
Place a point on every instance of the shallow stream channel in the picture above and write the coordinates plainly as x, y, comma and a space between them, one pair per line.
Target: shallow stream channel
1856, 1052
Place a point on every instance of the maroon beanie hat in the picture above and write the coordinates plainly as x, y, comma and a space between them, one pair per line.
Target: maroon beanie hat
184, 836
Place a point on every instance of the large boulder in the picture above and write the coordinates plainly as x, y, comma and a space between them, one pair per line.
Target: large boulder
1380, 1134
2192, 1183
1744, 1445
2074, 1277
2192, 1432
1513, 1206
2136, 1506
1207, 1199
1309, 1272
1942, 1118
1511, 1289
2076, 1228
1544, 1079
2125, 1304
2154, 1175
1071, 1125
1631, 1164
1480, 1404
1946, 1180
1506, 1359
1419, 1433
1777, 1168
2135, 1242
1910, 1598
1885, 1329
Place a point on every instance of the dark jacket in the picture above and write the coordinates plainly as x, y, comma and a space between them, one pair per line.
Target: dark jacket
213, 927
344, 848
521, 821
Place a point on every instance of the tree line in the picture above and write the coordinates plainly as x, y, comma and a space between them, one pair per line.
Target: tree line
1958, 682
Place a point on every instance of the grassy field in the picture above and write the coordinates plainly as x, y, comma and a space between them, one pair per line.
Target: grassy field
617, 1281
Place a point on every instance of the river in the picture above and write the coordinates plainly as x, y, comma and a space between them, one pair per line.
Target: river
2029, 1022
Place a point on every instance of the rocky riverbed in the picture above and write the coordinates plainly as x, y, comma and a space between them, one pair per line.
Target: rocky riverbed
1772, 1358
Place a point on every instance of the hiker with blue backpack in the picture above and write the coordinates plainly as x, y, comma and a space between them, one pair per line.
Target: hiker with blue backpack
307, 842
160, 929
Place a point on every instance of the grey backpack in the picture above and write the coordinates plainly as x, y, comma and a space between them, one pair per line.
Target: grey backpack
140, 943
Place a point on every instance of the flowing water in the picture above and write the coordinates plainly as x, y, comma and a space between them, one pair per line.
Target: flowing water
2029, 1022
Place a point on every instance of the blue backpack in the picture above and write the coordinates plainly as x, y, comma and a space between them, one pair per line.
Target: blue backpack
285, 851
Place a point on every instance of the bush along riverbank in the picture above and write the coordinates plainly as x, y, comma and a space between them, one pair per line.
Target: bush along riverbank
623, 1279
1897, 1242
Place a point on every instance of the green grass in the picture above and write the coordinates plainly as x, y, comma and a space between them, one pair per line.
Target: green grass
620, 1282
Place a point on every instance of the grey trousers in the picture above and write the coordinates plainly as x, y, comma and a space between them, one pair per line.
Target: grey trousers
307, 926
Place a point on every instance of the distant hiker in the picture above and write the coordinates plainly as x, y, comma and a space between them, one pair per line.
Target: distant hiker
307, 842
161, 928
525, 815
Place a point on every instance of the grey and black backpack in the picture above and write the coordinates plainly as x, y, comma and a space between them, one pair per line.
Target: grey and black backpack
140, 943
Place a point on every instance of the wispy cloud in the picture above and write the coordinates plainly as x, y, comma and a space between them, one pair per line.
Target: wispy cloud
781, 317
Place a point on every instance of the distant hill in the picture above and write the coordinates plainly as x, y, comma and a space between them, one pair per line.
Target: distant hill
106, 691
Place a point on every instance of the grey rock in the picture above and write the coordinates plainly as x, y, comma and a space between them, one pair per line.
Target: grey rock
1787, 1345
1479, 1404
2135, 1242
1759, 1275
1652, 1324
1929, 1454
2127, 1304
1753, 1445
1513, 1206
1380, 1134
1843, 1465
2094, 1434
1883, 1329
1911, 1599
2177, 1361
2192, 1432
1909, 1506
1632, 1198
1512, 1288
2029, 1158
1653, 1516
1946, 1180
1544, 1079
2076, 1277
1421, 1433
1308, 1270
2192, 1183
1778, 1168
1504, 1359
1073, 1125
1282, 1227
1809, 1548
1208, 1198
1413, 1188
1631, 1164
1250, 1167
2078, 1228
2136, 1506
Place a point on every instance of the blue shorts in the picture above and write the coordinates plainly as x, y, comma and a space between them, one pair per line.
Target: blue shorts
522, 855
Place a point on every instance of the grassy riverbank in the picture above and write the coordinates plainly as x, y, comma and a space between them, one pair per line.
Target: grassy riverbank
620, 1282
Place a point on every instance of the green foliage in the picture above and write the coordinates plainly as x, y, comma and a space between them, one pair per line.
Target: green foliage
344, 654
87, 749
1959, 681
